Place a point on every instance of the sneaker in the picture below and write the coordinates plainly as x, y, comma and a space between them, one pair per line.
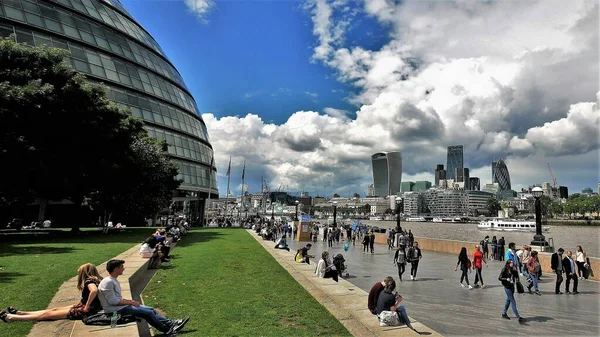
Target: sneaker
568, 292
575, 292
521, 320
538, 293
382, 324
462, 285
505, 316
411, 277
470, 287
181, 323
559, 293
483, 286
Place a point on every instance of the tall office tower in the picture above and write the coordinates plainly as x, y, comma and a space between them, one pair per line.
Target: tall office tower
462, 176
474, 184
500, 175
563, 192
370, 190
387, 173
108, 46
440, 174
454, 160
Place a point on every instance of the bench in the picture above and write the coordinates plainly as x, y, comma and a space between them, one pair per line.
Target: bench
133, 281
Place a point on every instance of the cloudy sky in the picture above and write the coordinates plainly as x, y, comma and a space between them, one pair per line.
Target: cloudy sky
305, 92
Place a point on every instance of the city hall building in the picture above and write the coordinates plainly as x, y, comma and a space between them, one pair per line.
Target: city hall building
108, 46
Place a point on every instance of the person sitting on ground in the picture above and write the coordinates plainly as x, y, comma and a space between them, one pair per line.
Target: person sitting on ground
163, 245
325, 268
88, 279
112, 301
374, 294
388, 304
302, 254
282, 244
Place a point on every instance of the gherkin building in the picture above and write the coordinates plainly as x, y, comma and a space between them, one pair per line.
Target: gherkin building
108, 46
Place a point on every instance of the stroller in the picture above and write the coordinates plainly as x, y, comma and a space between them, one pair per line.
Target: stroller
338, 262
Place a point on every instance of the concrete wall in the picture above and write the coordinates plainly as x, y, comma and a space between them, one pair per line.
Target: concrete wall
453, 247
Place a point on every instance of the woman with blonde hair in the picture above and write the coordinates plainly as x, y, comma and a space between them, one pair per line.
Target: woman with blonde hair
88, 279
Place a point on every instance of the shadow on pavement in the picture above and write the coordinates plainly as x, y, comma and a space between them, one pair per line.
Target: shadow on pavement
427, 279
540, 319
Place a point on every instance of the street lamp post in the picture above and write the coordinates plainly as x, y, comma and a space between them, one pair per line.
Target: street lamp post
538, 238
398, 227
297, 203
334, 213
272, 209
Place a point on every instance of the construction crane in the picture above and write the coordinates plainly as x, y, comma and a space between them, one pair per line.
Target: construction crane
554, 182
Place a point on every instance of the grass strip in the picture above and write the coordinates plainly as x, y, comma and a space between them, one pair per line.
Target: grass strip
231, 286
31, 273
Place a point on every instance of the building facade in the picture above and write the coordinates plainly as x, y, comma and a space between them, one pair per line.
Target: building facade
462, 176
454, 160
387, 173
422, 185
407, 186
108, 46
474, 184
440, 174
501, 175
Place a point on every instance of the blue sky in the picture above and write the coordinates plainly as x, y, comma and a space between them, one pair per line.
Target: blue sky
330, 82
250, 56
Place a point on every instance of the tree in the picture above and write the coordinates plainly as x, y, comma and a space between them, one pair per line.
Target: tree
63, 138
335, 195
356, 195
367, 209
493, 206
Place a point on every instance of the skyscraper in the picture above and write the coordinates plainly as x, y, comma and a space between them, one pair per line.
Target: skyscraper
454, 160
474, 184
108, 46
387, 172
462, 176
440, 174
500, 175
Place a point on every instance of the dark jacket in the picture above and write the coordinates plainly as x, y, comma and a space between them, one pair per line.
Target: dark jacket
507, 277
554, 261
410, 254
567, 265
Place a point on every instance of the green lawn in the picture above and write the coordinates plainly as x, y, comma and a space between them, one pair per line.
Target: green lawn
32, 268
230, 286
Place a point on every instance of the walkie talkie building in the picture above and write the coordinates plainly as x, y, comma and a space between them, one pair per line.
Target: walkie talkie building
107, 45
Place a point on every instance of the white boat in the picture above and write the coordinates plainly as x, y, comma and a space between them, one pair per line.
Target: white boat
510, 225
438, 219
376, 218
416, 219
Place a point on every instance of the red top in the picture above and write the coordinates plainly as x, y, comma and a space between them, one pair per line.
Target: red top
478, 259
374, 295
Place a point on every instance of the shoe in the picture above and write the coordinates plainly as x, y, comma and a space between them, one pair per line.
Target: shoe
568, 292
462, 285
382, 324
3, 316
505, 316
521, 320
181, 323
483, 286
12, 310
575, 292
414, 279
538, 293
470, 287
411, 277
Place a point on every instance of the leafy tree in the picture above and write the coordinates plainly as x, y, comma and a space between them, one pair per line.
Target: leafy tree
335, 195
356, 195
493, 206
367, 209
63, 138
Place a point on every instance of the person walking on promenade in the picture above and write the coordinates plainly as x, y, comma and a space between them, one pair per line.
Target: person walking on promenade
325, 230
485, 247
354, 237
494, 248
500, 249
465, 265
372, 242
414, 256
478, 261
411, 238
580, 257
532, 265
400, 261
557, 267
374, 294
401, 240
512, 255
508, 277
365, 242
330, 237
569, 267
390, 240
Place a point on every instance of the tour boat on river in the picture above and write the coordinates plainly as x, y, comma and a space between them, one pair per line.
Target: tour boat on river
510, 225
376, 218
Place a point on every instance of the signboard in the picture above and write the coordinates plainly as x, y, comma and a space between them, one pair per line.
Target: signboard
305, 218
305, 228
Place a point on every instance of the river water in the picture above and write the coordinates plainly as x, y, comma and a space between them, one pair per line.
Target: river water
566, 237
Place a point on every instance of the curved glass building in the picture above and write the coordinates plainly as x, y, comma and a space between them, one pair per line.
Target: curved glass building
454, 160
500, 175
387, 173
109, 46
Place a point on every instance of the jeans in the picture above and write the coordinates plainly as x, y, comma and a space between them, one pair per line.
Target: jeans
149, 315
534, 281
401, 310
464, 275
559, 279
413, 268
510, 301
401, 268
478, 276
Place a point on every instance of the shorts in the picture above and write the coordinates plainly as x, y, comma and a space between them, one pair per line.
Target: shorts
76, 312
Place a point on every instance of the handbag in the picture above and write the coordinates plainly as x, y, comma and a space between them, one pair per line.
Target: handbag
389, 318
520, 288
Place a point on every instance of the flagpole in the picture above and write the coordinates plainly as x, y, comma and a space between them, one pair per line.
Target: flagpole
227, 192
242, 194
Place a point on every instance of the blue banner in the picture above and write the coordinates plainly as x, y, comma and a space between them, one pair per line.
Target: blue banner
305, 218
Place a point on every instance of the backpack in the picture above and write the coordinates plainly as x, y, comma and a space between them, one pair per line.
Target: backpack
104, 319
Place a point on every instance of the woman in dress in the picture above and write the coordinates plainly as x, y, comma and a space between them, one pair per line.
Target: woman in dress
580, 257
88, 279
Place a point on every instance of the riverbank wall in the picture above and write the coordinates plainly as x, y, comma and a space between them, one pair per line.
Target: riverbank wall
453, 247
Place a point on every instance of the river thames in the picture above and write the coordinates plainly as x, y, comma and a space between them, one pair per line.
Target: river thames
566, 237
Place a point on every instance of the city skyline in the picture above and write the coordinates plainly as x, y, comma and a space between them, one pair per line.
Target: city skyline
337, 81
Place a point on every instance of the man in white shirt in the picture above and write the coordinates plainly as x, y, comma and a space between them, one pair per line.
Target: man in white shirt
111, 300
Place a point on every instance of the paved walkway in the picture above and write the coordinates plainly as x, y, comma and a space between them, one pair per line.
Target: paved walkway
438, 301
343, 300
